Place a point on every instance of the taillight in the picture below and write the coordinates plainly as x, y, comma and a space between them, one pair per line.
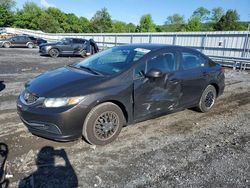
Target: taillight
222, 69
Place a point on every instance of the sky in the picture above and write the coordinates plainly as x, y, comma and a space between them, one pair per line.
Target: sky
132, 10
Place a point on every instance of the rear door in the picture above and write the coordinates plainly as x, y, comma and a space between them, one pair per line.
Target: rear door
193, 75
153, 96
23, 40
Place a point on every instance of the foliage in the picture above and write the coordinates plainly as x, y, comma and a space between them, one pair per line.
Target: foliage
194, 24
228, 22
7, 4
147, 24
101, 22
6, 17
28, 17
175, 19
201, 13
216, 14
119, 27
174, 23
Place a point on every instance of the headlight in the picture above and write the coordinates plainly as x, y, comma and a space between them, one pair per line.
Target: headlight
59, 102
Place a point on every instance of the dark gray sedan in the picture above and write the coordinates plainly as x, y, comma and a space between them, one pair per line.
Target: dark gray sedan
122, 85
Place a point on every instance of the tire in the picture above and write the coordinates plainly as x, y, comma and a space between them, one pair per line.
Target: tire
207, 99
30, 45
54, 52
97, 128
6, 45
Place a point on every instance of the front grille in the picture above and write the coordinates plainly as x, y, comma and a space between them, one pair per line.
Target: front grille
29, 98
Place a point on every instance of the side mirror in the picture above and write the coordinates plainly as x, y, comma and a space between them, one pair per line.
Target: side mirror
154, 73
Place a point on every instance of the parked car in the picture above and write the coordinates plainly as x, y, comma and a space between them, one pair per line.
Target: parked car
21, 41
118, 86
69, 46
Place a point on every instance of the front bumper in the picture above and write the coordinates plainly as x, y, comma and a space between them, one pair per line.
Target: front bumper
61, 124
43, 51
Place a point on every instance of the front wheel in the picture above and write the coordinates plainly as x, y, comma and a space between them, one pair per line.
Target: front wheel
6, 45
54, 52
103, 124
207, 99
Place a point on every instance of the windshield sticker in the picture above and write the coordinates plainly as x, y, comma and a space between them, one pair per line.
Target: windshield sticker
143, 50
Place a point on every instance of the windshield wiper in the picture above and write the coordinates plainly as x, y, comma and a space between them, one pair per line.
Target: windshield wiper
89, 69
86, 68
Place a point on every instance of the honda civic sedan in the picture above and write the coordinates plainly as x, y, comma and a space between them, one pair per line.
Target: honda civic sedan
116, 87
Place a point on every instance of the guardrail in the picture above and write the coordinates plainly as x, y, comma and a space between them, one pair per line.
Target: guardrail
235, 63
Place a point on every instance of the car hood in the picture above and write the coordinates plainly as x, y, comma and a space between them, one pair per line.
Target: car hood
64, 82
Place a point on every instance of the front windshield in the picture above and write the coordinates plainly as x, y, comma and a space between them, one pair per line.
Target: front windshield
113, 60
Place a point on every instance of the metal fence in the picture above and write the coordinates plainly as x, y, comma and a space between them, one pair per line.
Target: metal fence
224, 44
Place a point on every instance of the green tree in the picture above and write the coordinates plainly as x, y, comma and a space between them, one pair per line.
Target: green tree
216, 14
194, 24
119, 27
101, 22
131, 27
202, 13
48, 23
28, 17
73, 22
84, 24
6, 17
175, 19
60, 17
174, 23
228, 22
147, 24
7, 4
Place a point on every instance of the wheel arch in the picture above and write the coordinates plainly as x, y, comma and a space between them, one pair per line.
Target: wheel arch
216, 86
6, 42
30, 43
121, 106
54, 47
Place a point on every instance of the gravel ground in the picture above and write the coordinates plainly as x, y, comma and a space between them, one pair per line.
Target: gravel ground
184, 149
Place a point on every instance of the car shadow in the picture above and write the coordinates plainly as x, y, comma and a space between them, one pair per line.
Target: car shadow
2, 86
3, 157
48, 174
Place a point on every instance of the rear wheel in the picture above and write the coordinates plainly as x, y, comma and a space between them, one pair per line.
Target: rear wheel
6, 45
30, 45
103, 124
54, 52
207, 99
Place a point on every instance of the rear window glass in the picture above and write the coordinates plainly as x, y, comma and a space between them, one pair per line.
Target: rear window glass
192, 61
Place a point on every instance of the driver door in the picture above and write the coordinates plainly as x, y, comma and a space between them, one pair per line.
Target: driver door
67, 47
154, 96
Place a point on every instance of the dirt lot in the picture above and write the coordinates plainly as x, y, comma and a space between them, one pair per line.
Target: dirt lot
184, 149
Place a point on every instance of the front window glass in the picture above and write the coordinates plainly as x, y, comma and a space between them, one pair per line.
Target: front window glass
66, 40
165, 62
112, 61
